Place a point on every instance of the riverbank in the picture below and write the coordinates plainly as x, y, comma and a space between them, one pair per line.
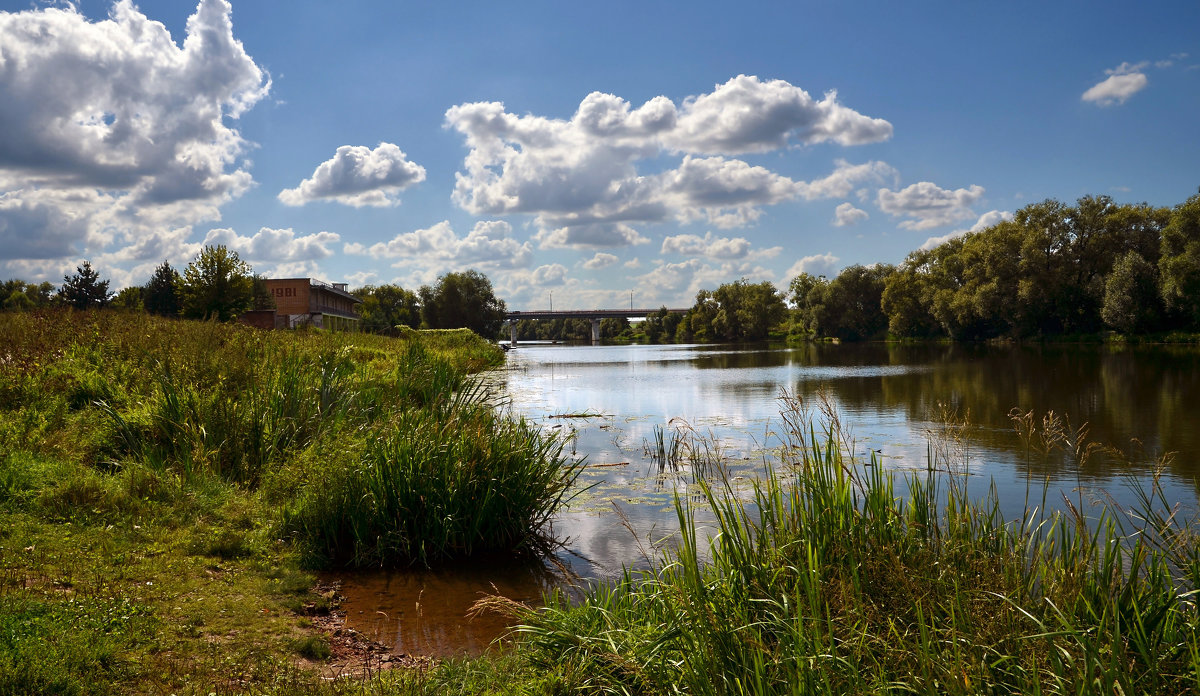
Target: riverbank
167, 489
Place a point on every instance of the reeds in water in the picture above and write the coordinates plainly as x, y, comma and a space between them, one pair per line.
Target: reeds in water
830, 581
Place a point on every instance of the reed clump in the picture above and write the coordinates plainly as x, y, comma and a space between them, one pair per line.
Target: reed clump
436, 485
836, 577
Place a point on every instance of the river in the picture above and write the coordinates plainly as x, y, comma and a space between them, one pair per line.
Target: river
612, 404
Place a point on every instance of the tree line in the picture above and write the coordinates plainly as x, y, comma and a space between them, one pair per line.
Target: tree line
218, 284
458, 300
1053, 270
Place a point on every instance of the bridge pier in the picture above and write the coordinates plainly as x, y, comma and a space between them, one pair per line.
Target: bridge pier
595, 331
512, 334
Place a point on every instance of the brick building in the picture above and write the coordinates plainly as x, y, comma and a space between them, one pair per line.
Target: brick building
307, 301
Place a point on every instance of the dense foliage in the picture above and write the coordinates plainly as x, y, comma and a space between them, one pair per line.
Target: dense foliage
1051, 270
462, 300
17, 295
161, 294
216, 284
847, 308
387, 307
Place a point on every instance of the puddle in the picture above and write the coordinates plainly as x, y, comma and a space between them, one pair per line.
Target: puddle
428, 612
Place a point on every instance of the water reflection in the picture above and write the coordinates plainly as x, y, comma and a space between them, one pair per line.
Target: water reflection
609, 402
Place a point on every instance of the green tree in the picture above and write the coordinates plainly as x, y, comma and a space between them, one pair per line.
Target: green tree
84, 289
907, 297
684, 332
463, 300
161, 294
1179, 264
17, 301
261, 297
701, 316
806, 295
612, 327
386, 307
660, 326
853, 309
17, 295
748, 311
216, 284
130, 299
1043, 273
738, 311
1131, 295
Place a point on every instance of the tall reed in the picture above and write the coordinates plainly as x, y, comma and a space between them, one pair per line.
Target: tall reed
830, 581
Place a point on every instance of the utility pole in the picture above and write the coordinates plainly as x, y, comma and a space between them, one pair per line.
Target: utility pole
631, 300
552, 301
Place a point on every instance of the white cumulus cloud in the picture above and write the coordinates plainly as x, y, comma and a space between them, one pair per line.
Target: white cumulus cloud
358, 176
549, 275
1126, 80
929, 205
713, 247
845, 178
985, 221
846, 214
489, 244
1116, 89
596, 234
580, 177
600, 260
113, 126
816, 264
275, 245
748, 115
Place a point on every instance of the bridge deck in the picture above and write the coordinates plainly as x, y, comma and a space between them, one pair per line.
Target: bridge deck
589, 313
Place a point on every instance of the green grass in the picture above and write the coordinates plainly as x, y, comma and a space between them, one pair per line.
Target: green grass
149, 469
77, 646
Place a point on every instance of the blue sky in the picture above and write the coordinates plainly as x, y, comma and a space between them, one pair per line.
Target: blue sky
585, 150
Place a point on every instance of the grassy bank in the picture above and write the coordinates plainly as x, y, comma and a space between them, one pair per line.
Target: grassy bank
166, 488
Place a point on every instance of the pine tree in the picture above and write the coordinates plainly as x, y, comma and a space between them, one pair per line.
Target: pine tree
162, 292
84, 289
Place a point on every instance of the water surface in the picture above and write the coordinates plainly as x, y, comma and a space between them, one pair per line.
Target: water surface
613, 402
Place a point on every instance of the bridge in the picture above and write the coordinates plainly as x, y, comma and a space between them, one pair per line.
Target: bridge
594, 315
